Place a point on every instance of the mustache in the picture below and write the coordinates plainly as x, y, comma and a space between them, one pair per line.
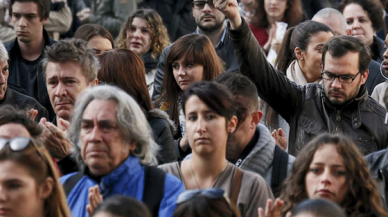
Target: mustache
336, 91
206, 15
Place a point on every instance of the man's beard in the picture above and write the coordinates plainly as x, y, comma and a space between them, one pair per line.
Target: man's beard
211, 28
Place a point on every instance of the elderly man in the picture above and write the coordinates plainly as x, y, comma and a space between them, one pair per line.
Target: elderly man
69, 67
14, 98
339, 105
113, 142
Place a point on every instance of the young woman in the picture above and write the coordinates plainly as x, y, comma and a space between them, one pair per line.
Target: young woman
209, 112
191, 58
29, 181
98, 38
145, 34
365, 18
125, 69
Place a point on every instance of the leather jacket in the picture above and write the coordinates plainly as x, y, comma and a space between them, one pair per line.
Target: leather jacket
306, 108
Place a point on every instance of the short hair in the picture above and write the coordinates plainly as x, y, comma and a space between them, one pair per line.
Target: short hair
329, 12
119, 205
339, 46
362, 196
319, 208
9, 114
159, 35
37, 161
374, 9
216, 96
115, 65
88, 31
241, 85
3, 53
75, 50
43, 7
129, 116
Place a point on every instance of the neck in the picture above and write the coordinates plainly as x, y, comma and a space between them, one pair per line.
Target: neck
205, 168
214, 35
32, 50
272, 20
233, 151
309, 76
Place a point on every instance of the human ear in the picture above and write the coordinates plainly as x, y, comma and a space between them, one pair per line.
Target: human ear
94, 82
46, 188
298, 53
256, 117
44, 21
364, 76
232, 124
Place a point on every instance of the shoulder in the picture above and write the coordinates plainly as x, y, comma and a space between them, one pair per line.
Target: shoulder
171, 168
9, 45
64, 178
159, 119
375, 107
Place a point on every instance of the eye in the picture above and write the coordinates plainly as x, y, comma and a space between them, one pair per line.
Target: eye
52, 82
210, 116
189, 65
339, 173
192, 118
349, 22
86, 126
71, 82
132, 29
16, 16
175, 66
144, 31
315, 170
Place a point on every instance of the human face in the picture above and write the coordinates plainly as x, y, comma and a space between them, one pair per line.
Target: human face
64, 82
139, 37
99, 44
312, 56
18, 187
12, 130
334, 23
208, 19
275, 9
359, 22
27, 23
326, 177
4, 73
206, 130
337, 92
103, 145
186, 72
385, 61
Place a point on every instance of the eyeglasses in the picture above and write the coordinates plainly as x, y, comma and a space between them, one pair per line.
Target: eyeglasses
211, 193
341, 78
19, 144
199, 5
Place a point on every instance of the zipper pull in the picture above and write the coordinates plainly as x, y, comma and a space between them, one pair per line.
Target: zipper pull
338, 116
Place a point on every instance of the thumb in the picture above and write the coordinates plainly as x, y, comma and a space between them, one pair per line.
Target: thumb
281, 132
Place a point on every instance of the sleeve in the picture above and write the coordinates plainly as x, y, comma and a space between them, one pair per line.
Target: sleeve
165, 140
159, 75
376, 92
172, 188
111, 14
59, 21
273, 87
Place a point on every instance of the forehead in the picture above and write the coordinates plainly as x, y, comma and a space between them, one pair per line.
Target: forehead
320, 38
354, 10
10, 170
139, 22
12, 130
334, 23
3, 64
25, 8
195, 104
67, 69
345, 65
101, 110
328, 154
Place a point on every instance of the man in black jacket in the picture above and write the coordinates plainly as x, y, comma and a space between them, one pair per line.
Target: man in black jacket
340, 105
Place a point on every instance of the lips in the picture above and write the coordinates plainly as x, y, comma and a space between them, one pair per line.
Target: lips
184, 82
201, 140
336, 94
384, 64
4, 211
325, 193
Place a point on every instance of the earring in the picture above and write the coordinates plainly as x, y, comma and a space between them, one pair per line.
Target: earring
231, 131
301, 58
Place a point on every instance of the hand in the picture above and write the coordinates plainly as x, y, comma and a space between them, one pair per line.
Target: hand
271, 211
271, 36
184, 143
280, 138
230, 9
276, 44
55, 139
32, 114
84, 15
95, 198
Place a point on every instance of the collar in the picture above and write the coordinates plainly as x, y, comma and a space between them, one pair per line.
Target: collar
7, 97
14, 46
294, 73
248, 148
221, 42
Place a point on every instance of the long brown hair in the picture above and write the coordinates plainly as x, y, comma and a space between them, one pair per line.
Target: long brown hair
362, 196
125, 69
40, 166
200, 50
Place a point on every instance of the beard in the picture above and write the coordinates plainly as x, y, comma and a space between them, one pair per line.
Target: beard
211, 27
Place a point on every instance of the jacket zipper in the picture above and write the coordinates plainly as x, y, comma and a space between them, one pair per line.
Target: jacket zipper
338, 119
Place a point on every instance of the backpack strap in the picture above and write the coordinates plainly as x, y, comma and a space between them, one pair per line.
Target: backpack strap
71, 182
153, 188
236, 185
279, 170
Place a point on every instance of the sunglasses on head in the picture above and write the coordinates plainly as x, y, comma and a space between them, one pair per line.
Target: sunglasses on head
18, 144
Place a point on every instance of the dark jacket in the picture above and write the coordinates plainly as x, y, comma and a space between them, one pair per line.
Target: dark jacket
377, 49
378, 166
224, 51
36, 86
163, 129
22, 101
374, 77
306, 108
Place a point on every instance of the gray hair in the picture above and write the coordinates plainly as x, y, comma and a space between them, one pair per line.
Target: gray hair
3, 53
130, 118
327, 12
75, 50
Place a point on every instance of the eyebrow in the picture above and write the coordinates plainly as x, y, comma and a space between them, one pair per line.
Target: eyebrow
333, 165
349, 75
100, 122
25, 14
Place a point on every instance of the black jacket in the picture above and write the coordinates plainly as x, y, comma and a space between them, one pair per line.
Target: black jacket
306, 108
374, 77
22, 101
17, 75
378, 166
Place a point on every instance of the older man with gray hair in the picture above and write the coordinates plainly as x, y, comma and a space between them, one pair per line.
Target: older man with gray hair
337, 22
113, 143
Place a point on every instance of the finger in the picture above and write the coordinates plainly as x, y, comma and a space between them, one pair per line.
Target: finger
268, 208
54, 129
281, 132
289, 214
89, 209
63, 124
43, 121
261, 212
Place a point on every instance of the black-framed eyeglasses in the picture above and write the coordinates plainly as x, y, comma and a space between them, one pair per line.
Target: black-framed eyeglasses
341, 78
19, 144
211, 193
199, 5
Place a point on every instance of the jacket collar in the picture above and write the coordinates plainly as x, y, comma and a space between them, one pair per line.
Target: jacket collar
14, 45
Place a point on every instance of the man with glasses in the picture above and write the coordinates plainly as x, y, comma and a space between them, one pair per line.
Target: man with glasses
340, 105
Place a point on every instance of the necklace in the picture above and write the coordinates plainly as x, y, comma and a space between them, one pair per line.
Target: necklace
215, 181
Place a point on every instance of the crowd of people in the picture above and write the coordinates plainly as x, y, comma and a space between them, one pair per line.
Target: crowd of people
166, 108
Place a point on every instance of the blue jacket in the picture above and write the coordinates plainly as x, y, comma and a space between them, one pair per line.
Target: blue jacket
128, 180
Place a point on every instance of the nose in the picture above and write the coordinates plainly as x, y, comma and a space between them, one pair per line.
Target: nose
326, 177
22, 21
2, 79
336, 83
181, 71
386, 53
95, 135
201, 125
60, 90
355, 24
137, 33
3, 194
207, 7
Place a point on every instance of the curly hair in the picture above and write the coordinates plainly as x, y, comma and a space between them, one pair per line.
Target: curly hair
374, 9
293, 14
362, 196
158, 31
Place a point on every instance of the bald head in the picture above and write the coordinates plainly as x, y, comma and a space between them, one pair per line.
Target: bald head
333, 19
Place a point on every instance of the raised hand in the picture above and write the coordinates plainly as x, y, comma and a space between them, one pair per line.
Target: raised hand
95, 198
272, 210
230, 9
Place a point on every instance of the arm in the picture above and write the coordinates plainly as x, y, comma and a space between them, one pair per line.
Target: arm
59, 21
159, 75
172, 188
